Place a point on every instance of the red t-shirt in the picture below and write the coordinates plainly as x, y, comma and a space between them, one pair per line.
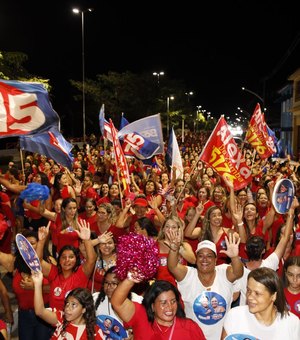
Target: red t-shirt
60, 286
293, 301
25, 297
65, 237
183, 328
72, 331
92, 220
163, 272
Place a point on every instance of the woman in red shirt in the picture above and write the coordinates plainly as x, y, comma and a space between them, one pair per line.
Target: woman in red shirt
160, 316
77, 317
69, 272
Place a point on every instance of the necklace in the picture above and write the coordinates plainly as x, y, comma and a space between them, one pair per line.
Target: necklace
168, 328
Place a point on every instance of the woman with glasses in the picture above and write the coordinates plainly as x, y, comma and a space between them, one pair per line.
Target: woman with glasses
106, 221
102, 299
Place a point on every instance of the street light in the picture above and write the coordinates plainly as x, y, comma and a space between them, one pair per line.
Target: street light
168, 110
158, 74
254, 94
188, 94
77, 11
243, 111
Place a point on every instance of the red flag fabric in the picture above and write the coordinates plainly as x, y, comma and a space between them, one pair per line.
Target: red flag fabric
257, 134
121, 162
223, 155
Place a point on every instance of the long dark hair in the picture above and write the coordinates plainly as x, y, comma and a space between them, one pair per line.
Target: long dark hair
76, 253
206, 234
154, 291
85, 298
291, 261
147, 224
102, 294
270, 279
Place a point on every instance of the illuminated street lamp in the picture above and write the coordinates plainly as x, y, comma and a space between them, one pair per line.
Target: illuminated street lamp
189, 94
254, 94
78, 11
243, 111
168, 113
158, 74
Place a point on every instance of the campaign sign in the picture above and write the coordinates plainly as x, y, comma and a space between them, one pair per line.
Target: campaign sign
283, 195
28, 253
111, 328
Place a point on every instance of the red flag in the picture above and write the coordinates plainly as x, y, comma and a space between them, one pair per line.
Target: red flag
121, 162
257, 135
223, 155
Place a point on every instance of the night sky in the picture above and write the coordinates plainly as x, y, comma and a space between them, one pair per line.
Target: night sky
216, 47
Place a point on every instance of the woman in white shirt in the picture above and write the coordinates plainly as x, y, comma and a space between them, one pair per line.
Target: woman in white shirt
266, 316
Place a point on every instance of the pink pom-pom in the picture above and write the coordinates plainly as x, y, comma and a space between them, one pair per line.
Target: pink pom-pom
139, 254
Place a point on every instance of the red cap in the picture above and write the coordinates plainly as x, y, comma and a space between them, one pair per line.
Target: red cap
142, 202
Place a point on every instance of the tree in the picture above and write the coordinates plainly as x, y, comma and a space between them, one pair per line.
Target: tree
12, 67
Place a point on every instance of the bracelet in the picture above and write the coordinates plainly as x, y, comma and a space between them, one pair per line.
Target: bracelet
176, 248
240, 224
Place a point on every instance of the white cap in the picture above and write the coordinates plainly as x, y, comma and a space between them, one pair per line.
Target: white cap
207, 244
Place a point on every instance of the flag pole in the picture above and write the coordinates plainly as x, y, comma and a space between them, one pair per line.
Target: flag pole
22, 164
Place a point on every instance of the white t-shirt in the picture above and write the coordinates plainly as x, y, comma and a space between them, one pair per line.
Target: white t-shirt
240, 321
197, 300
105, 311
240, 285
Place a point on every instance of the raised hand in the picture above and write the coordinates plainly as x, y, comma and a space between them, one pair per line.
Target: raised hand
105, 237
37, 277
232, 245
43, 232
199, 208
174, 238
84, 230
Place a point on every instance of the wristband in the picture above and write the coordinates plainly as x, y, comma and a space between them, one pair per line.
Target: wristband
174, 249
240, 224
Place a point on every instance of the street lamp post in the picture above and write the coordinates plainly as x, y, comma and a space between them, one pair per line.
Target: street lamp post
254, 94
188, 94
244, 111
158, 74
168, 111
77, 11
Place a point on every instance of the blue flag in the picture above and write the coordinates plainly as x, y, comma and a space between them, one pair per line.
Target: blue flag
51, 144
138, 146
104, 125
26, 109
272, 139
149, 128
124, 121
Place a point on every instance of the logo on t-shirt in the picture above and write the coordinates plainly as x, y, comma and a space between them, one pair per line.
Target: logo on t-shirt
240, 337
209, 307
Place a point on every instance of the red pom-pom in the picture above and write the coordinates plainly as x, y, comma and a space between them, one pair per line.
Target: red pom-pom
139, 254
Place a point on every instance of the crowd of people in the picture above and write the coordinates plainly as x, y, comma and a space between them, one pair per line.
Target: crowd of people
228, 262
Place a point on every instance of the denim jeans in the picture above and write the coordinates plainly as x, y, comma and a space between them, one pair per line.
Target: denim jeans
31, 327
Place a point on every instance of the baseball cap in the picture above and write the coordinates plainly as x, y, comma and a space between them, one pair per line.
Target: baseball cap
142, 202
207, 244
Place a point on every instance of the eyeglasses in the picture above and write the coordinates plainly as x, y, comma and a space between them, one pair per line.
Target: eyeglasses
112, 284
